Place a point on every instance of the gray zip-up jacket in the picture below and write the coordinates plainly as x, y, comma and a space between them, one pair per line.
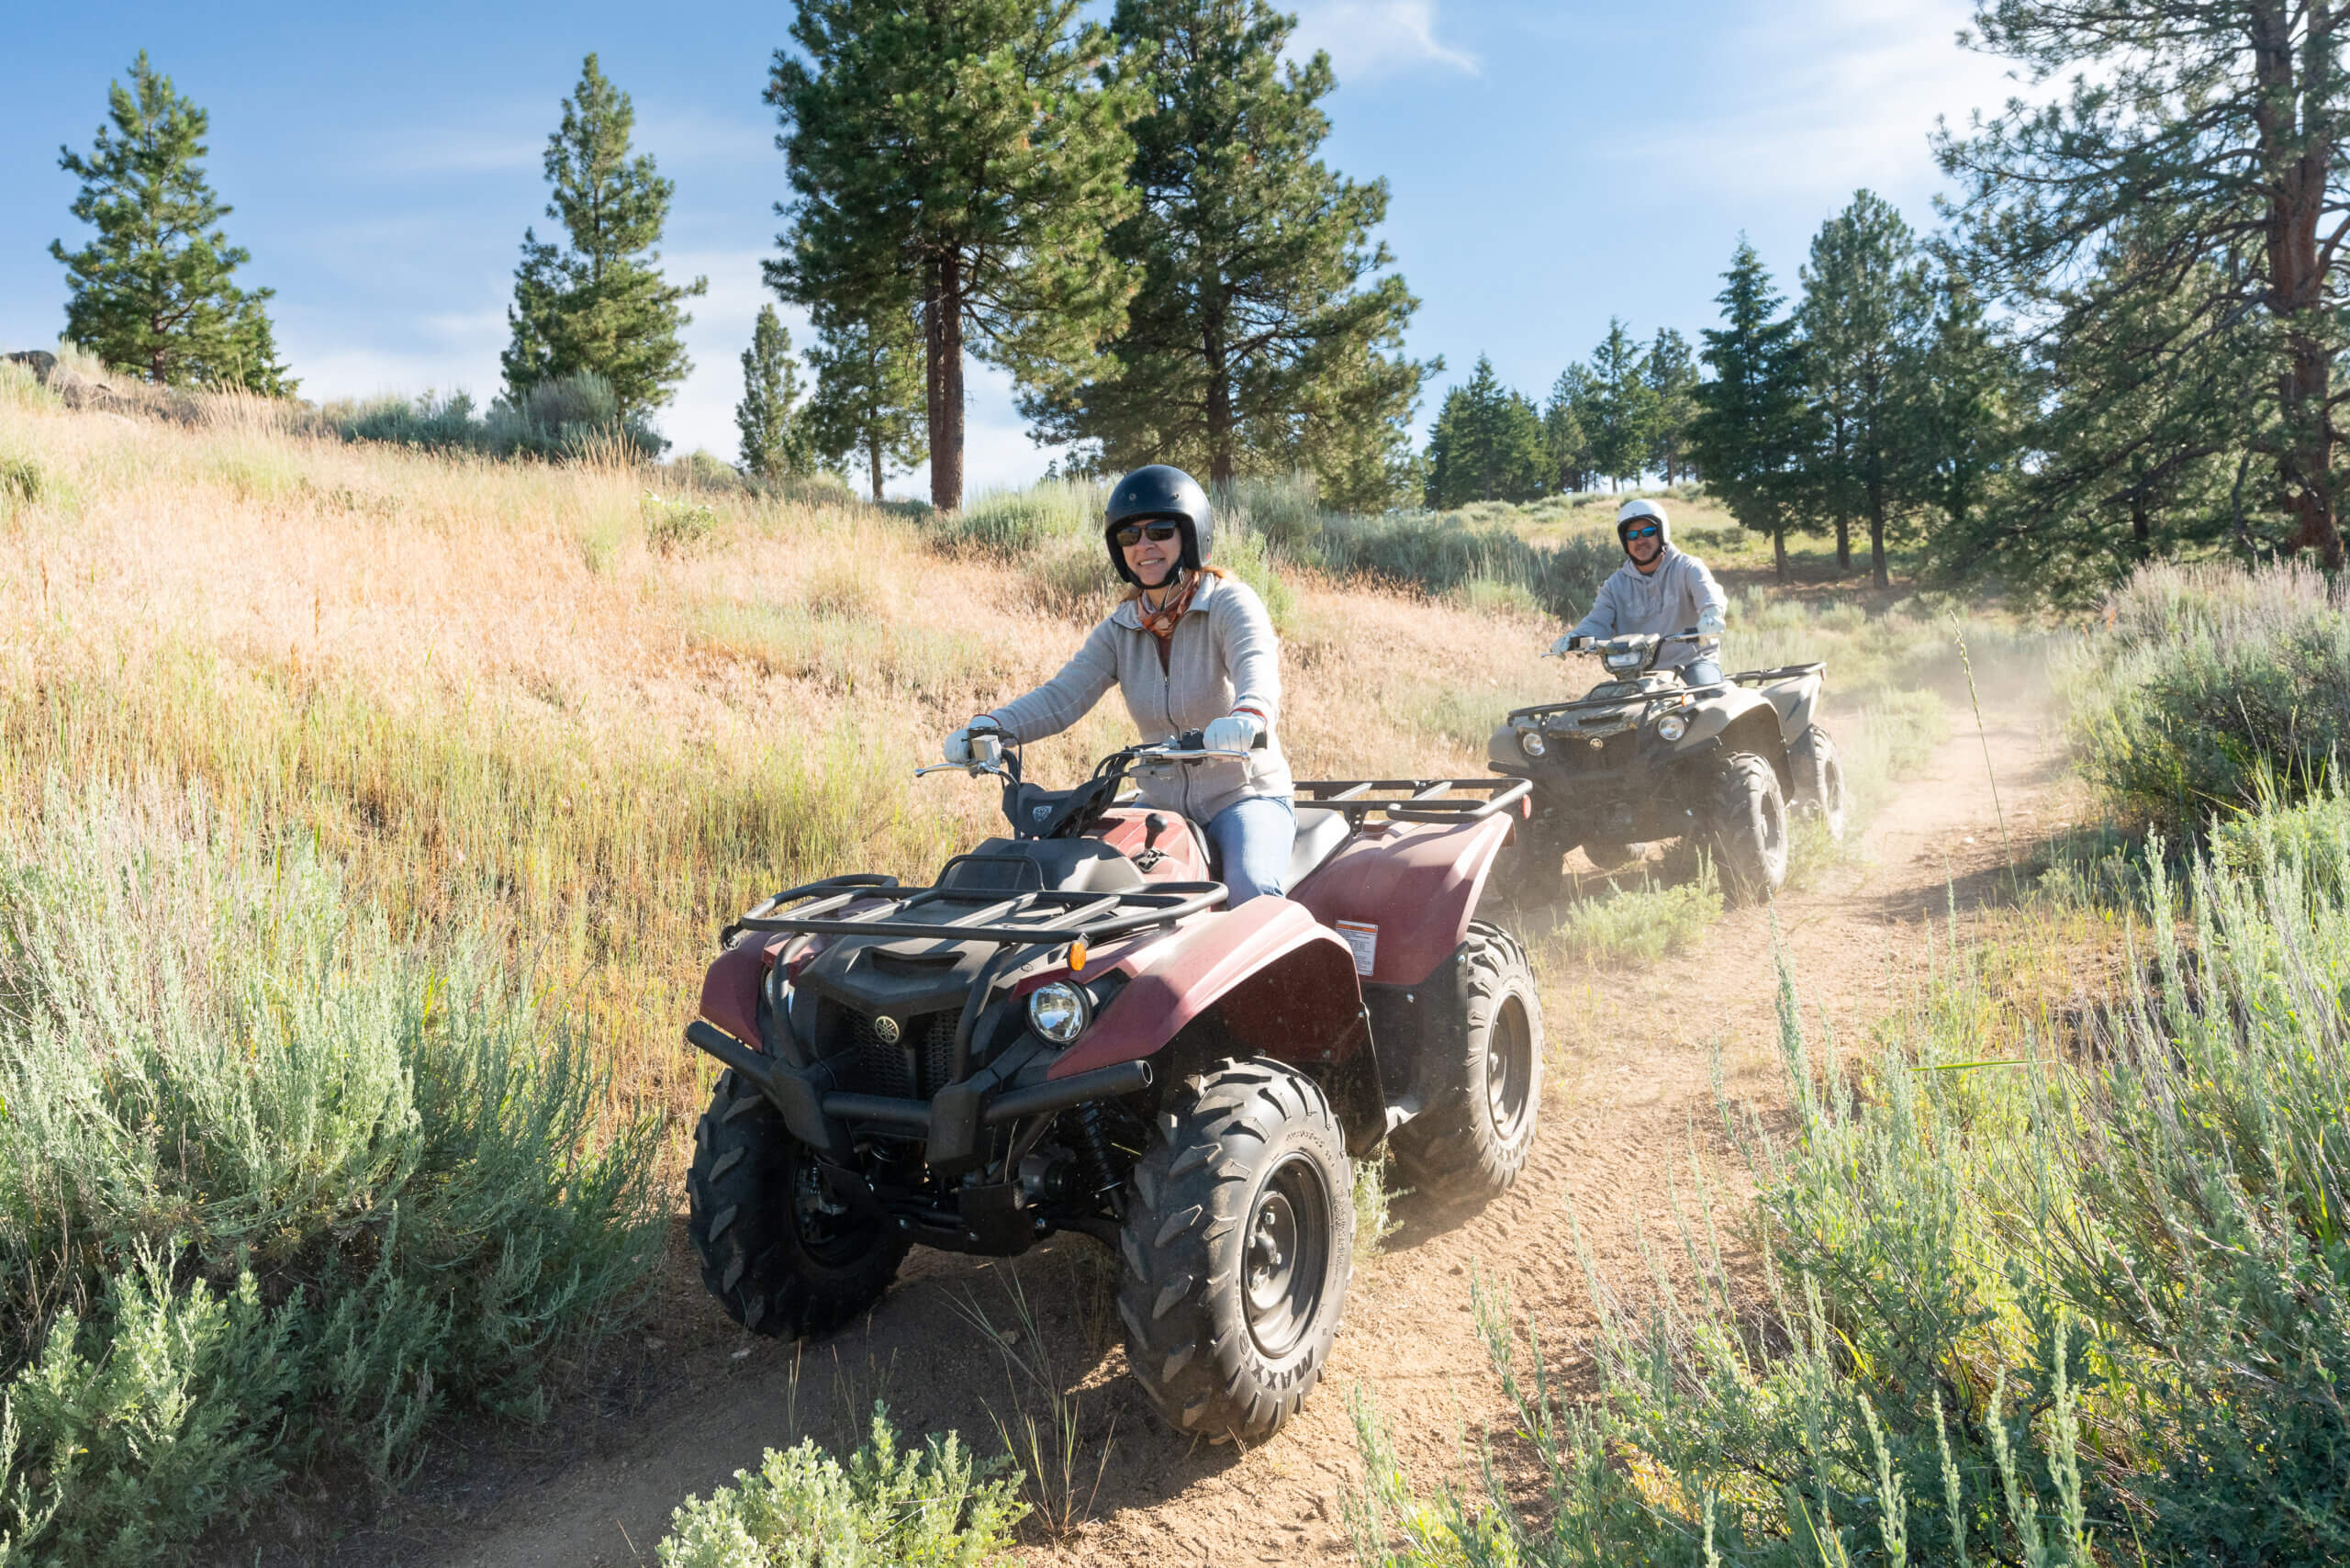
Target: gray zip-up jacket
1666, 600
1223, 655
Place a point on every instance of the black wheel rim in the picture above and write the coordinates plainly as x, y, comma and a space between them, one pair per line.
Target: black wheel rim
1772, 821
1285, 1252
1509, 1067
828, 1231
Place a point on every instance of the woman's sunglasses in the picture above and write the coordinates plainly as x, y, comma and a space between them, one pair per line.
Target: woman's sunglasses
1133, 532
1647, 532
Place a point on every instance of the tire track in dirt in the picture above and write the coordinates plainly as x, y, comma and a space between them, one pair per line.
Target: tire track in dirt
1629, 1095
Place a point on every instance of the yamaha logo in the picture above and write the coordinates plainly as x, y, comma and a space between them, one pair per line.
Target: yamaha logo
886, 1030
1038, 813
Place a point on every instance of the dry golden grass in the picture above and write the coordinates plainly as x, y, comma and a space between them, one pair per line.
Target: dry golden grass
475, 683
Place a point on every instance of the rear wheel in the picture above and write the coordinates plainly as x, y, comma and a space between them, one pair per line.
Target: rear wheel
1238, 1246
1606, 858
1819, 780
779, 1249
1749, 827
1476, 1137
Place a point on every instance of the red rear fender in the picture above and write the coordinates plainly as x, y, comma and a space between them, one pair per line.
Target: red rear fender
1282, 984
1414, 885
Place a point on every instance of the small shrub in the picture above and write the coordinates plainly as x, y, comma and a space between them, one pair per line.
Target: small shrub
22, 390
1644, 922
569, 418
24, 483
2215, 686
677, 526
931, 1507
1374, 1205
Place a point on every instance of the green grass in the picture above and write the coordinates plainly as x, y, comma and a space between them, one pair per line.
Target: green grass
276, 1187
1639, 920
2056, 1282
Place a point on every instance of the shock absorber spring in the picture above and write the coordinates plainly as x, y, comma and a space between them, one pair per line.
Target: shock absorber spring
1093, 1143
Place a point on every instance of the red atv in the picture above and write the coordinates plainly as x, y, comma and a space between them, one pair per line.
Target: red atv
1068, 1031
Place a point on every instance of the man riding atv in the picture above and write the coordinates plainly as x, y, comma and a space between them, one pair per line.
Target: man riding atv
1658, 589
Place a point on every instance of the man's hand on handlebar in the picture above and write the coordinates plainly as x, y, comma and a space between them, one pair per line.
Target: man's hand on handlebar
977, 745
1570, 644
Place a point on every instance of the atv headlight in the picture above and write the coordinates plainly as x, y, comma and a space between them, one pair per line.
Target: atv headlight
1531, 743
1629, 659
1671, 727
1060, 1011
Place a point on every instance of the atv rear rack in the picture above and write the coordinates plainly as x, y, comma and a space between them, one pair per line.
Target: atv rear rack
1413, 799
1784, 672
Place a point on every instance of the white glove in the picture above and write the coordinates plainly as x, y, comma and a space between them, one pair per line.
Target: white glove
1570, 644
978, 742
1234, 732
1710, 622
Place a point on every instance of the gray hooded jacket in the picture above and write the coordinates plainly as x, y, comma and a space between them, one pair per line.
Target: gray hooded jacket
1223, 655
1666, 600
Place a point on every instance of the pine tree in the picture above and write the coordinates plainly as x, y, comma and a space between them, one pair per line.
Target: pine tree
2192, 175
1486, 444
602, 306
1864, 316
957, 155
868, 397
775, 438
154, 291
1625, 405
1671, 372
1257, 290
1753, 434
1566, 435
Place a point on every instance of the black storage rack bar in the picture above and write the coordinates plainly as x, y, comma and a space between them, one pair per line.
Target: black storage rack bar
1033, 917
1414, 799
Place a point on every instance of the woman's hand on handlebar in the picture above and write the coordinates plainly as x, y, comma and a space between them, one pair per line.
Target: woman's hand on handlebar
1234, 732
978, 743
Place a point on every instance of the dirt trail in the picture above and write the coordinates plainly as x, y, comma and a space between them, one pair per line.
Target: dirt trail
1629, 1088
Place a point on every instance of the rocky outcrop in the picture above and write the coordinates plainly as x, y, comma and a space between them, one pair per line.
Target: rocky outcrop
111, 394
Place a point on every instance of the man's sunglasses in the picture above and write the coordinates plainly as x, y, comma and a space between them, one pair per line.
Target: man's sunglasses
1647, 532
1134, 533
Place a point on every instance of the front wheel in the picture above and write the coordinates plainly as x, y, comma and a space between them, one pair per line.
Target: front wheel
1749, 827
1486, 1029
779, 1249
1237, 1247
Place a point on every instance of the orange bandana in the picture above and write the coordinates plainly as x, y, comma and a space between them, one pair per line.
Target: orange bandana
1160, 622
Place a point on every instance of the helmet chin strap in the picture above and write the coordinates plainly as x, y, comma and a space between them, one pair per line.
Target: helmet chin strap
1174, 575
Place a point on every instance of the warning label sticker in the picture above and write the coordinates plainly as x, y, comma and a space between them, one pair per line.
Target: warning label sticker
1364, 940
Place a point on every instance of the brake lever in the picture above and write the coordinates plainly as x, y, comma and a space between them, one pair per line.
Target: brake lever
974, 769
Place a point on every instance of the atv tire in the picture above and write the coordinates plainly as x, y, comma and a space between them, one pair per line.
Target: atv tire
1819, 780
1485, 1032
1750, 828
777, 1252
1237, 1247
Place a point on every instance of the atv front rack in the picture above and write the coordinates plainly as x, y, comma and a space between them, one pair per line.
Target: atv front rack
1036, 916
1413, 799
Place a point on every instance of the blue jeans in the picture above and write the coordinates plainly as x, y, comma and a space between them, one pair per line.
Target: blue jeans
1253, 838
1701, 672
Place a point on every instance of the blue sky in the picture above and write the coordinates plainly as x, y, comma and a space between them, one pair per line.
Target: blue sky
1551, 164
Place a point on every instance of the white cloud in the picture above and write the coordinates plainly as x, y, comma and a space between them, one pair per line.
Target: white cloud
1837, 95
1369, 39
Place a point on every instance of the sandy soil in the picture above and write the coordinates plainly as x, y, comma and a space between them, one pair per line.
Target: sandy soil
1629, 1100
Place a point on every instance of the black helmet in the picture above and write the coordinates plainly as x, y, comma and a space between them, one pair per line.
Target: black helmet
1156, 493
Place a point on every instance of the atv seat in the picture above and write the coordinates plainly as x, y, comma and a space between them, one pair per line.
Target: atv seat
1320, 831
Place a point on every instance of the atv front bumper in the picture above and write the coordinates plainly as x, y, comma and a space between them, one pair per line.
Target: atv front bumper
949, 1122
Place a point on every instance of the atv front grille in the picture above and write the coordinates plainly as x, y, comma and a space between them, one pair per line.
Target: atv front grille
914, 1066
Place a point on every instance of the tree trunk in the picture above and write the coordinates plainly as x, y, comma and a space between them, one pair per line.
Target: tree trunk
2142, 532
1876, 553
1843, 544
2296, 157
942, 335
1779, 552
873, 457
1219, 405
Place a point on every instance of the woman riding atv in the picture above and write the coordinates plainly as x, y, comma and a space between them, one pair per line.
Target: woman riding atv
1190, 648
1658, 589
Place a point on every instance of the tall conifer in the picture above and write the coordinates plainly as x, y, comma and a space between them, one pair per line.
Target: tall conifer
153, 291
603, 305
1261, 310
775, 435
868, 399
958, 156
1753, 434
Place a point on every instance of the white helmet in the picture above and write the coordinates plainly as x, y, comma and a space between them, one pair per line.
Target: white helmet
1633, 512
